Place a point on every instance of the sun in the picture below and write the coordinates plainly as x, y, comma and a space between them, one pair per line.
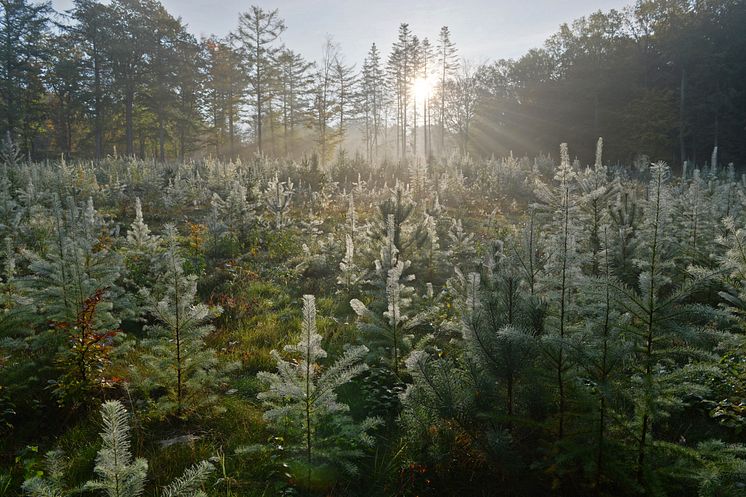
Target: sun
423, 87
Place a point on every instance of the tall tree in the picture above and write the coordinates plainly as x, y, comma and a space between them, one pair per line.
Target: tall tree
23, 28
324, 101
189, 85
446, 64
225, 86
66, 82
258, 29
461, 104
344, 78
293, 85
426, 70
127, 48
92, 21
372, 90
161, 76
403, 70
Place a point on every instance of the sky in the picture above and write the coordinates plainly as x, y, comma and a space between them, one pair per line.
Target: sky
483, 30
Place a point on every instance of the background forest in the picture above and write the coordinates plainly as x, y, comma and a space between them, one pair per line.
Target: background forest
226, 271
665, 78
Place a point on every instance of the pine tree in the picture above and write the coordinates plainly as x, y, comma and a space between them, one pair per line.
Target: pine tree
401, 70
433, 254
175, 357
293, 88
400, 205
699, 220
237, 211
561, 203
439, 391
351, 276
372, 89
78, 263
498, 325
602, 351
302, 405
626, 215
389, 333
446, 65
258, 29
53, 483
225, 87
670, 332
461, 249
345, 81
22, 58
733, 263
277, 198
597, 194
141, 249
119, 473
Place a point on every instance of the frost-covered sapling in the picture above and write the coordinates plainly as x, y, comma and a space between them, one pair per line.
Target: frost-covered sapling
389, 333
351, 276
141, 250
277, 197
78, 263
119, 473
301, 405
175, 357
400, 206
670, 333
560, 204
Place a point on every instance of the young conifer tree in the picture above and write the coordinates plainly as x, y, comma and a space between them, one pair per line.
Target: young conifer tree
141, 250
626, 216
351, 276
698, 222
438, 405
277, 197
561, 203
733, 263
671, 334
52, 484
497, 329
601, 351
237, 211
301, 404
431, 246
398, 208
175, 356
597, 192
461, 247
389, 332
120, 474
74, 286
21, 347
78, 263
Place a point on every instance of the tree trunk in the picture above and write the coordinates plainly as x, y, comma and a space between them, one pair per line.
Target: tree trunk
98, 126
161, 140
682, 119
129, 102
